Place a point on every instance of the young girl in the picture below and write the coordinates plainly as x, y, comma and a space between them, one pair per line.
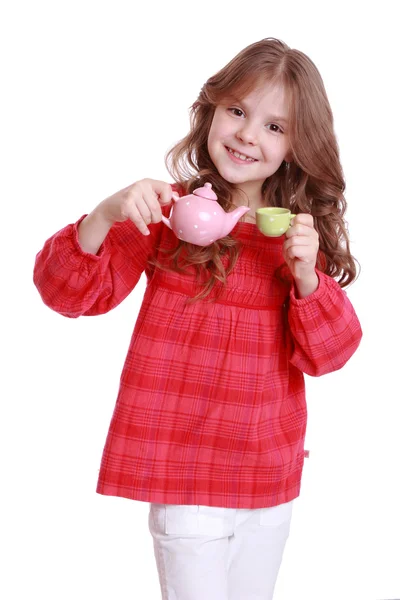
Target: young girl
210, 418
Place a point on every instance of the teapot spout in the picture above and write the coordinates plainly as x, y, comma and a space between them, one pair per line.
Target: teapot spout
232, 218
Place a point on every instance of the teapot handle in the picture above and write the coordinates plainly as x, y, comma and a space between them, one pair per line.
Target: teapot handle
175, 198
166, 221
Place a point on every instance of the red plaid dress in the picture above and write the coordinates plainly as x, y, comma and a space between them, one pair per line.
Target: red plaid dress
211, 408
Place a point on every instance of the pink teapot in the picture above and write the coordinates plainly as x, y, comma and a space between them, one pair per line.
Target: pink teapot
199, 219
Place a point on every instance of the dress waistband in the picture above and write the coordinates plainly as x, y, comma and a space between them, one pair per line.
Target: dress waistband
229, 296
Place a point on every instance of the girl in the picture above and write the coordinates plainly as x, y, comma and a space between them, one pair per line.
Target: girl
210, 418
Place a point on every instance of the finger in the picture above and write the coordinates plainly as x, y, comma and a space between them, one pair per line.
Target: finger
133, 213
163, 190
297, 229
299, 240
303, 253
301, 229
304, 219
147, 205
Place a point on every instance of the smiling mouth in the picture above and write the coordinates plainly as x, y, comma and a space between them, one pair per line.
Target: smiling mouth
242, 157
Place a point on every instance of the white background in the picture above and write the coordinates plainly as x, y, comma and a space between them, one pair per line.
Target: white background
94, 93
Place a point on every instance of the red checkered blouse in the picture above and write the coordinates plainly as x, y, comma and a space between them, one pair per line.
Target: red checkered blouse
211, 407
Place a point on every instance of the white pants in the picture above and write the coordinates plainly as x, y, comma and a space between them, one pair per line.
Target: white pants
208, 553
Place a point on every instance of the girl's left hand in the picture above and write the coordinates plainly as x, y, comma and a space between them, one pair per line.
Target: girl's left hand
301, 248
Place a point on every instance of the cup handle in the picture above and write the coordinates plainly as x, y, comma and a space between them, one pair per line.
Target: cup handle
291, 217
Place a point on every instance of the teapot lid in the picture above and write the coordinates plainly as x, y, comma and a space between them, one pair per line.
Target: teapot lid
206, 192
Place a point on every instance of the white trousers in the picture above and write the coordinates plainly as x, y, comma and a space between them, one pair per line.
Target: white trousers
208, 553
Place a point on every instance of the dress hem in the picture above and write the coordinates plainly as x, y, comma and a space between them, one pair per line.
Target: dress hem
199, 499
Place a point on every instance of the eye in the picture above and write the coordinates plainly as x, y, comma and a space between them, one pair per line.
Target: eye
276, 128
236, 111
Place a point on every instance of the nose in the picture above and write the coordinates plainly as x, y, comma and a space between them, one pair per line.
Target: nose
247, 133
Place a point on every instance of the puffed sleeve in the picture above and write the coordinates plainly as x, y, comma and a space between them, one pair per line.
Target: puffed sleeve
324, 328
74, 283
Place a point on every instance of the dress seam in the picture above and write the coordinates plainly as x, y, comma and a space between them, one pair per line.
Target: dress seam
185, 292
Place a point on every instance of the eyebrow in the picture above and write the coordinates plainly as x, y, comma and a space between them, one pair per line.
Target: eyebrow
271, 118
276, 118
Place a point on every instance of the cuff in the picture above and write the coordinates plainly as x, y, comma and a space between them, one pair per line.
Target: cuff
87, 255
325, 282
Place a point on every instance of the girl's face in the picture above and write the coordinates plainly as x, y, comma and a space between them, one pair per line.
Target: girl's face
248, 138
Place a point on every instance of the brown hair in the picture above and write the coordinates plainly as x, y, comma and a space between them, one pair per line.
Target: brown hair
312, 183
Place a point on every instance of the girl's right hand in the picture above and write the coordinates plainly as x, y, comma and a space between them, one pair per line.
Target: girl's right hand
140, 202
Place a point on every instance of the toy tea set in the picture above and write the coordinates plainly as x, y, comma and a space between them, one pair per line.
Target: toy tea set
198, 218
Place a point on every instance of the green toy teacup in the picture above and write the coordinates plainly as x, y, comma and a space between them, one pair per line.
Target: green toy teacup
273, 221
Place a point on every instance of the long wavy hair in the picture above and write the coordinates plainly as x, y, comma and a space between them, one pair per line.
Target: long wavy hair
312, 182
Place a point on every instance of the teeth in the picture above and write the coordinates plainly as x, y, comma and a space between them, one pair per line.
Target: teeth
241, 156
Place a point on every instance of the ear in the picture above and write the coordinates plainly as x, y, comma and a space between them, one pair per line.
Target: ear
289, 157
